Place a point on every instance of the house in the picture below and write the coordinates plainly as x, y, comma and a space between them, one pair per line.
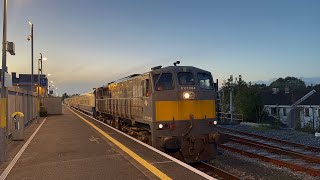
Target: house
292, 107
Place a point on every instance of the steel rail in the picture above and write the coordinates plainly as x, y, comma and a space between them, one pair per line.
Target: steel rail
209, 168
313, 172
312, 148
273, 149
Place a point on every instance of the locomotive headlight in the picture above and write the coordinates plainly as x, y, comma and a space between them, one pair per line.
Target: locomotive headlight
215, 122
160, 126
188, 95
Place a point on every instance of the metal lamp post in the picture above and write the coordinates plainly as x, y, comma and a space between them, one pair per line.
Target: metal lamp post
6, 46
31, 38
39, 70
4, 90
50, 82
48, 85
38, 89
43, 59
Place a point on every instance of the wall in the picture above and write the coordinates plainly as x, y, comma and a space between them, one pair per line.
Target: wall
21, 100
53, 105
312, 119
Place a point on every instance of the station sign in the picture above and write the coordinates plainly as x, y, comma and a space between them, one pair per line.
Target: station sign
43, 82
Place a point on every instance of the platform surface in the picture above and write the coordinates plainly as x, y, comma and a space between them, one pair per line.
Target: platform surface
66, 147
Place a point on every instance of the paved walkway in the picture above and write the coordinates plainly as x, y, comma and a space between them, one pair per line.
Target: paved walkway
67, 148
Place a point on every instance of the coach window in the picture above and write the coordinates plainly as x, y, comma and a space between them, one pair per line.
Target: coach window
186, 78
163, 81
205, 81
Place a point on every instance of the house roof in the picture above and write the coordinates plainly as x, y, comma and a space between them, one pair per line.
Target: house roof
282, 98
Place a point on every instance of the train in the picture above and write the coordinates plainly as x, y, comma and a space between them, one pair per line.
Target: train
173, 108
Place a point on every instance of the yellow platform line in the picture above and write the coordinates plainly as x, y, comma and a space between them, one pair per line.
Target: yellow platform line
140, 160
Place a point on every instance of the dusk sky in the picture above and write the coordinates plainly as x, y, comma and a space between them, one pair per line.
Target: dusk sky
90, 43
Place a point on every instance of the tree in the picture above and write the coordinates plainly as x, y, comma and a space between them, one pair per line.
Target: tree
247, 98
317, 87
248, 101
64, 96
294, 84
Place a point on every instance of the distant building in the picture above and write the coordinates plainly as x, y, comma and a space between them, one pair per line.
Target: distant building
24, 81
279, 105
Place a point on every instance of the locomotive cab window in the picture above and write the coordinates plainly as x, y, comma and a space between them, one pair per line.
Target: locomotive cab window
163, 81
205, 81
186, 78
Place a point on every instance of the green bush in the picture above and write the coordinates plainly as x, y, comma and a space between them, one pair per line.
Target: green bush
308, 128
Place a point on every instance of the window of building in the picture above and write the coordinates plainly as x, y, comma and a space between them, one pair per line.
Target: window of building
306, 110
318, 112
273, 111
284, 111
186, 78
163, 81
205, 81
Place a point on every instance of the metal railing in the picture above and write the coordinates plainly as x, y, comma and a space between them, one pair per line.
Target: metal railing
226, 117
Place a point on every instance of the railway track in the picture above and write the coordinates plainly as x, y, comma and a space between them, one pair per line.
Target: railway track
283, 153
312, 148
214, 171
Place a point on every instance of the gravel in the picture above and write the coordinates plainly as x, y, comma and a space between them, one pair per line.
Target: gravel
283, 134
249, 168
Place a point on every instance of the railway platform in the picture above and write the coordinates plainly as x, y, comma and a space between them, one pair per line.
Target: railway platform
76, 146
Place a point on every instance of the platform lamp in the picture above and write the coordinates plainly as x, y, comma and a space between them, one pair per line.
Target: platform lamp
48, 85
40, 70
57, 92
52, 89
30, 38
38, 90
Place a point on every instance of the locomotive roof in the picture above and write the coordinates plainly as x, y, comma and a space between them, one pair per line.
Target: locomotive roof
174, 68
168, 68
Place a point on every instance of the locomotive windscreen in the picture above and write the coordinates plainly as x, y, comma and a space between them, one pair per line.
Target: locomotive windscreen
205, 81
186, 78
163, 81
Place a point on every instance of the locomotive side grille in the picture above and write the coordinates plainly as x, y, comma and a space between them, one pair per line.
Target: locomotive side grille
181, 110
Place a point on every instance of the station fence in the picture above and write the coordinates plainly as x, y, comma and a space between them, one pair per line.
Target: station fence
20, 100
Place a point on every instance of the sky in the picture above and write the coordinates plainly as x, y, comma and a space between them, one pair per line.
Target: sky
90, 43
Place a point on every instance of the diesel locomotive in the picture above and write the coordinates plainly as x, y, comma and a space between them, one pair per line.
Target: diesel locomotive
174, 109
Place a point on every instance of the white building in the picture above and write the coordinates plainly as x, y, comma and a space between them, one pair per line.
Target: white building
279, 105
